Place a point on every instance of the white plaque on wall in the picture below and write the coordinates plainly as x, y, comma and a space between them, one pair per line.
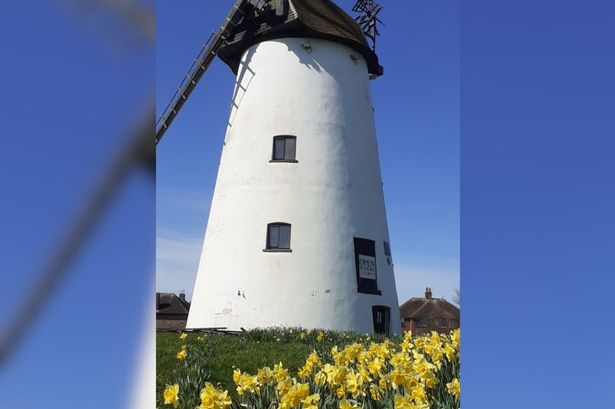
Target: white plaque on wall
367, 267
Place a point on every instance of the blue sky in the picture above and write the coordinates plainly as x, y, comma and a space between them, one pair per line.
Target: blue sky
417, 119
537, 201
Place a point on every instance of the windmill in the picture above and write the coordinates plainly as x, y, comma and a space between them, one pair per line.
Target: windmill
297, 234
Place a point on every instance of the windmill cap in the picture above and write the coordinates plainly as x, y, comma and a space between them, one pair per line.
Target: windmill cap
321, 19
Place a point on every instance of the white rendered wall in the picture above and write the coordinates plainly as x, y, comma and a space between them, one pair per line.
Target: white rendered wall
333, 194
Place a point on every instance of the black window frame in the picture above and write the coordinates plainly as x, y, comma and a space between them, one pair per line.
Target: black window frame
268, 241
387, 248
387, 252
366, 247
286, 157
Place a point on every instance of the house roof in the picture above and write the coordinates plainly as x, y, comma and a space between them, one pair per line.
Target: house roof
298, 18
429, 308
169, 303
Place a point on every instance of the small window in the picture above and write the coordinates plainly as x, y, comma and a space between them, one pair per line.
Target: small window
387, 249
278, 237
284, 149
387, 252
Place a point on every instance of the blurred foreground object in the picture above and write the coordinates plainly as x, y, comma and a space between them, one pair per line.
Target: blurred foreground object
83, 171
139, 151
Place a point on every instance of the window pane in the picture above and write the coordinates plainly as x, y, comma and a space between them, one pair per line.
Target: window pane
278, 149
387, 248
290, 148
285, 237
273, 237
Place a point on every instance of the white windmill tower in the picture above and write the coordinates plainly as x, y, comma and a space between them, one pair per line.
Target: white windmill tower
297, 233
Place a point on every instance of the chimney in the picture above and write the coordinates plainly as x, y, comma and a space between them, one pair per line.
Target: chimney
182, 296
428, 293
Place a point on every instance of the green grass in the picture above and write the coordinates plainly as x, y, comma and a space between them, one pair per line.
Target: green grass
212, 360
220, 353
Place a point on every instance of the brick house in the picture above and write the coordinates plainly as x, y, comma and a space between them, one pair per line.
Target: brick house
171, 311
423, 315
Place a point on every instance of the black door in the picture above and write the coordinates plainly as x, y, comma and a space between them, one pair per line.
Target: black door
382, 318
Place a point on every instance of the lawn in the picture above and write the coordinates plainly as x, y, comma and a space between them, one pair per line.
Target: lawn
212, 358
218, 354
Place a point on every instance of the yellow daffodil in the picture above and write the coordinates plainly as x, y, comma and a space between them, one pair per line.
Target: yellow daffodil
397, 377
183, 336
294, 395
335, 374
314, 359
454, 387
450, 352
375, 366
431, 380
320, 378
171, 395
265, 376
375, 392
403, 402
354, 384
345, 404
423, 368
284, 386
418, 394
245, 382
181, 355
213, 398
280, 372
305, 370
311, 402
455, 338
